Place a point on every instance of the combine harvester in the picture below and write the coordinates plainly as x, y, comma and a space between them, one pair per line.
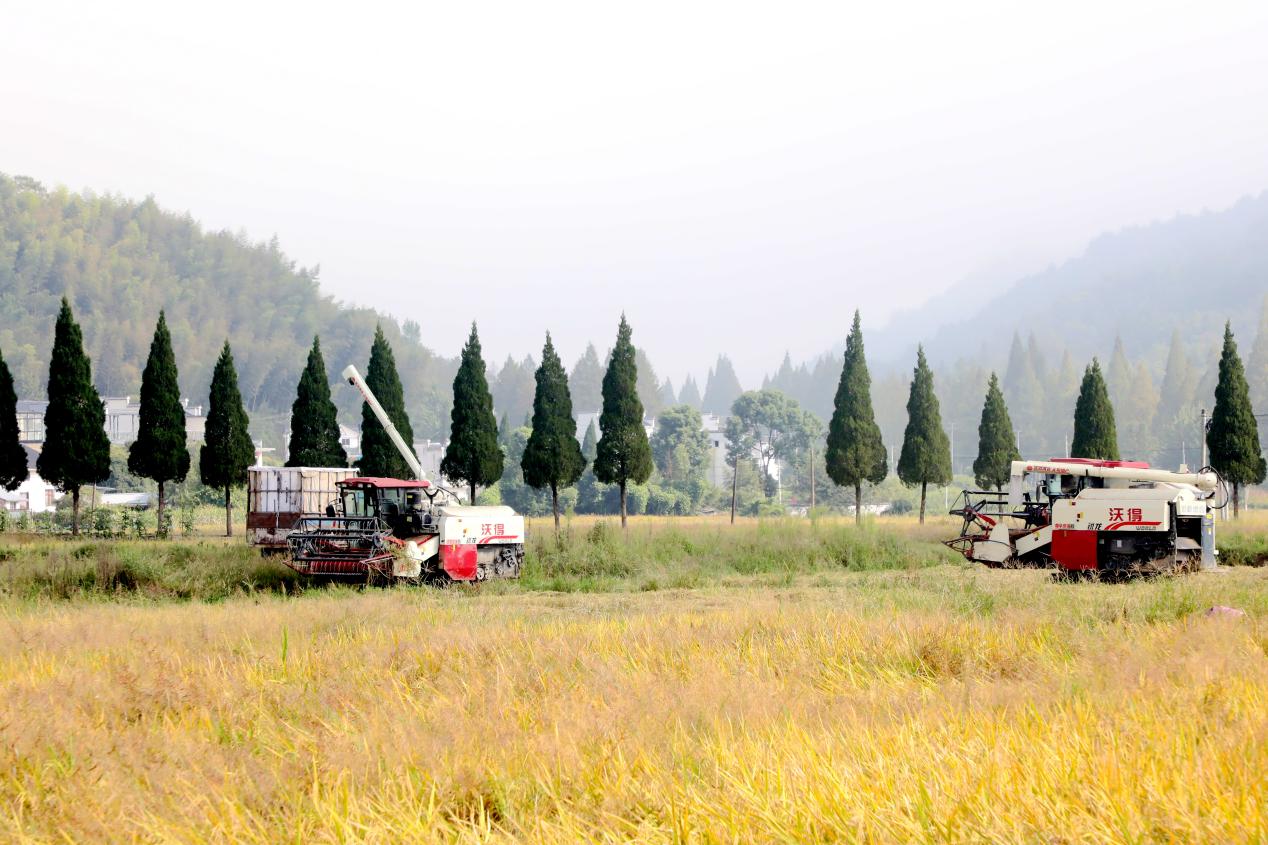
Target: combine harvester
388, 530
1092, 518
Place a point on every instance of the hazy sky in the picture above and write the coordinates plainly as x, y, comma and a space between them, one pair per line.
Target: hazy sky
733, 176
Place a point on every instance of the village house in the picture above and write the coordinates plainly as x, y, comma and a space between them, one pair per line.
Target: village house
35, 495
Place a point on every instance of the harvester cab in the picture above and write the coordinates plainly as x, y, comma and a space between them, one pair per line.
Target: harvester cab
1110, 518
385, 529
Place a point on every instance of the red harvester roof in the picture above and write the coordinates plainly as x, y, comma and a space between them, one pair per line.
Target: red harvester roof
371, 481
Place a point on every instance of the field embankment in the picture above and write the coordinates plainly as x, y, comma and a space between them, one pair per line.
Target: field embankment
942, 704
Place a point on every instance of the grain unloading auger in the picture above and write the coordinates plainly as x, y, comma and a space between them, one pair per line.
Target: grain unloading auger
1110, 518
387, 529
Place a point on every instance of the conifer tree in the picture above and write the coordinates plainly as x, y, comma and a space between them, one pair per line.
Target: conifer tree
1094, 432
1024, 392
624, 455
855, 452
586, 382
1177, 382
1233, 436
13, 468
473, 455
160, 452
722, 388
76, 450
668, 397
648, 385
996, 442
552, 457
379, 456
690, 394
314, 420
926, 455
227, 450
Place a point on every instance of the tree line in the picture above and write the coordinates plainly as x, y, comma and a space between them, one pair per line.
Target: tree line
764, 428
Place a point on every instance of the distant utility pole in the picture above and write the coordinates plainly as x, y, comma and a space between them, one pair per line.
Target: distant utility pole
1203, 433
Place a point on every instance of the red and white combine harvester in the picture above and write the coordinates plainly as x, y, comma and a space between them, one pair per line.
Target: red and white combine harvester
1089, 517
391, 529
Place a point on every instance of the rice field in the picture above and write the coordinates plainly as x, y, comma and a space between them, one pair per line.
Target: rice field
870, 691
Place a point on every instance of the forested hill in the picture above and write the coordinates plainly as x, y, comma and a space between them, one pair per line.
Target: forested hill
120, 261
1192, 273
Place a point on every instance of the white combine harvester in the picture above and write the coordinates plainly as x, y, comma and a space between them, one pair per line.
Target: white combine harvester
1108, 518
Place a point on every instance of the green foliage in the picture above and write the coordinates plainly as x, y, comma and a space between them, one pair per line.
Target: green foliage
774, 426
1233, 436
314, 426
1094, 432
680, 448
473, 455
76, 450
552, 457
623, 454
160, 452
13, 468
379, 457
855, 452
722, 388
996, 442
926, 454
512, 489
227, 449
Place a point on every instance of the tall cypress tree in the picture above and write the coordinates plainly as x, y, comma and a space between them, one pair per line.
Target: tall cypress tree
76, 450
1094, 432
624, 455
379, 457
314, 420
855, 452
227, 449
926, 453
160, 451
1233, 436
996, 440
13, 469
552, 457
473, 454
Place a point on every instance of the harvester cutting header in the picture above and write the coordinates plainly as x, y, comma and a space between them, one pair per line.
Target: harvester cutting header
1111, 518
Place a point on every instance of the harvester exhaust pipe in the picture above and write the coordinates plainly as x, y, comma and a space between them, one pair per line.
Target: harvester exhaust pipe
354, 379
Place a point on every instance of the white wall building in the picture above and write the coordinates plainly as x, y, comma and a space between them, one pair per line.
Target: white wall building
35, 495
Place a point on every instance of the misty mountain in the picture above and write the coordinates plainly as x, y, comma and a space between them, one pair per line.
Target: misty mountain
1192, 273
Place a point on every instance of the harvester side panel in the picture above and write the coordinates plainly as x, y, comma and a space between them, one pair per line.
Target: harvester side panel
459, 560
1074, 549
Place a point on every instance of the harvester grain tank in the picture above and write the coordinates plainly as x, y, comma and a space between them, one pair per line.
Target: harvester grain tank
393, 529
1084, 516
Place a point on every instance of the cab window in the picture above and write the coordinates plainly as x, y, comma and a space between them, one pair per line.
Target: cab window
354, 502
